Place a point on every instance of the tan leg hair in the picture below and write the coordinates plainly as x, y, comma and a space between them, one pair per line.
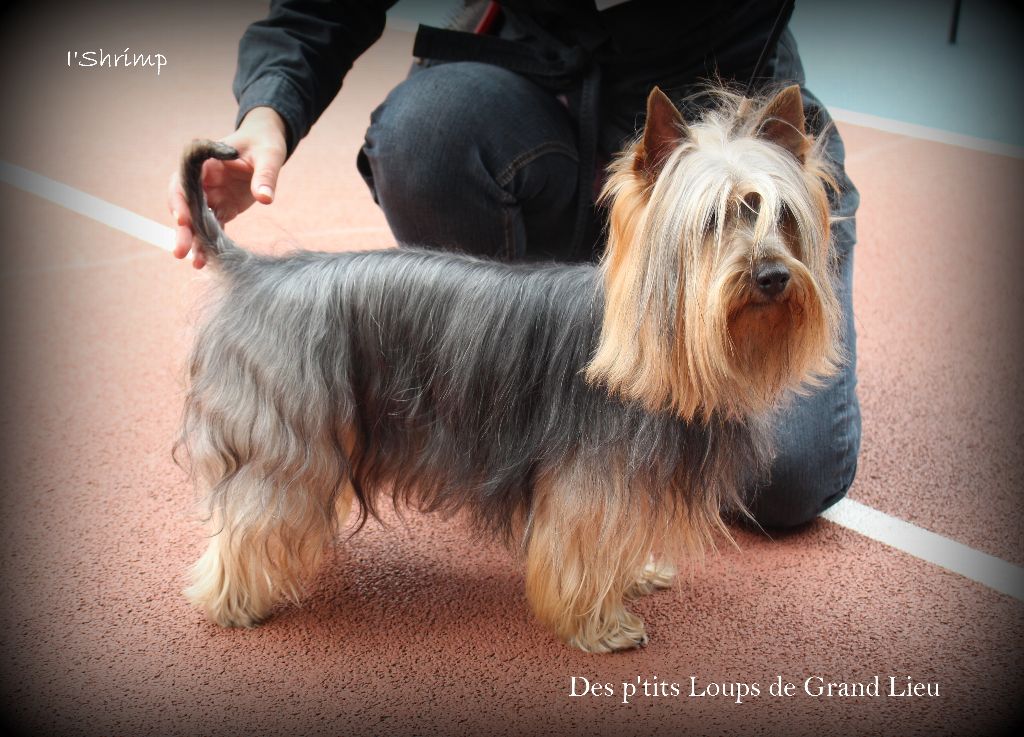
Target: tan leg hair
657, 573
246, 571
269, 524
586, 549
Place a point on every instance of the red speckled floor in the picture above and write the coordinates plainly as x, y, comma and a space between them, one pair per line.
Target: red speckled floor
417, 628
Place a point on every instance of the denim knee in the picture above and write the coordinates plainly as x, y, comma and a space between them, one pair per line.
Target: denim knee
472, 157
812, 470
407, 151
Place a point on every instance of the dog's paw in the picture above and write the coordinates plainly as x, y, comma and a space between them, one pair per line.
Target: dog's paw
224, 608
656, 574
227, 600
625, 633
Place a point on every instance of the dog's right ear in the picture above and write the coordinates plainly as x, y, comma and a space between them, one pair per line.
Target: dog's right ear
782, 122
664, 130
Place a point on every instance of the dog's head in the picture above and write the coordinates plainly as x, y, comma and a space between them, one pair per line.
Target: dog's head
718, 293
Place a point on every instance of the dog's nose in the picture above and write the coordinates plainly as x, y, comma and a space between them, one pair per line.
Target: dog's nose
771, 277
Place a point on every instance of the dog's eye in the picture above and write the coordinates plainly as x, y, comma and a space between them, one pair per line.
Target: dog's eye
752, 201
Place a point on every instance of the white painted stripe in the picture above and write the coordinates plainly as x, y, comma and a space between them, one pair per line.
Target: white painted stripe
102, 211
973, 564
949, 554
913, 130
140, 227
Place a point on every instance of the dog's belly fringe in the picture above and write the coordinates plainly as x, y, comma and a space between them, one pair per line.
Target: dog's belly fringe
448, 382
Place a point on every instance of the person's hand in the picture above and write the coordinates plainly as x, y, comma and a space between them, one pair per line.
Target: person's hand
231, 186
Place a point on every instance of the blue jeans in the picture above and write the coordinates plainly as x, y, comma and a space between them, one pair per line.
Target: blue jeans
473, 157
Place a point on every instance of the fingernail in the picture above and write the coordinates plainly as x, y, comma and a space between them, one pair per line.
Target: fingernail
175, 213
266, 191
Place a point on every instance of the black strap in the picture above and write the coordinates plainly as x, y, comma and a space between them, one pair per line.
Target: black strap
589, 125
557, 67
785, 11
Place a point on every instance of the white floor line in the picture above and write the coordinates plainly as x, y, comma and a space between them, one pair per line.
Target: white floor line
161, 236
150, 231
913, 130
986, 569
973, 564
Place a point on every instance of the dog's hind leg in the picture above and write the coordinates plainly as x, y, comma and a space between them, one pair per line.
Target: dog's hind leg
279, 488
258, 556
587, 548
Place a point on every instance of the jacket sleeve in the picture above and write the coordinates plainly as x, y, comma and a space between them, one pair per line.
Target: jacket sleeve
294, 60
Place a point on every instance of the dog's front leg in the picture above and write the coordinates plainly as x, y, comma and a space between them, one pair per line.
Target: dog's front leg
585, 553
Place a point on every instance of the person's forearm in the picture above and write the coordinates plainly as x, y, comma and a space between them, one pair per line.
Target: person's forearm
294, 60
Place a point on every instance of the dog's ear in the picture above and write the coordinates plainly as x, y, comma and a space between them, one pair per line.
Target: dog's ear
664, 130
782, 122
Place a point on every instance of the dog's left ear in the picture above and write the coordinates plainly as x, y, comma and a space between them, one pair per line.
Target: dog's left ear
664, 130
782, 122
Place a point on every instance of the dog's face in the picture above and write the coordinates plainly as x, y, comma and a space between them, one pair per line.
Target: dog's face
718, 292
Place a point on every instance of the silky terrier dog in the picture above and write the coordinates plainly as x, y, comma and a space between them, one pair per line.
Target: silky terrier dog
600, 418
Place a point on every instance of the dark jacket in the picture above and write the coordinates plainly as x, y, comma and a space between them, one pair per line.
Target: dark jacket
295, 60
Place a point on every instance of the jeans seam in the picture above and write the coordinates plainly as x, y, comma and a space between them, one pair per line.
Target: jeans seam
842, 431
842, 422
509, 245
509, 172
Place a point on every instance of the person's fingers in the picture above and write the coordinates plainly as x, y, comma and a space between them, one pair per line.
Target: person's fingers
182, 241
176, 200
180, 210
172, 187
267, 163
198, 255
182, 222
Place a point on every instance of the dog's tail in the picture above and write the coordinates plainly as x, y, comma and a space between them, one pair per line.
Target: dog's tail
217, 247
